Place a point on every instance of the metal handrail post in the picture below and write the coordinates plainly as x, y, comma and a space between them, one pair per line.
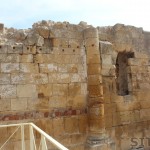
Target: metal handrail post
44, 145
22, 137
31, 138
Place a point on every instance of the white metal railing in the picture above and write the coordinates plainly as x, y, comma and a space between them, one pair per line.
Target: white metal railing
43, 138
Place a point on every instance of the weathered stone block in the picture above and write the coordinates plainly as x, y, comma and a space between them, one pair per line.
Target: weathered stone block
133, 62
3, 49
108, 70
33, 103
75, 43
90, 33
74, 89
83, 77
43, 31
83, 124
84, 88
94, 79
9, 67
60, 42
95, 101
21, 78
9, 58
46, 125
75, 77
133, 86
92, 42
57, 102
106, 59
26, 58
55, 50
64, 42
95, 112
4, 78
79, 140
19, 104
125, 117
75, 59
126, 143
121, 46
65, 59
92, 51
58, 127
110, 108
108, 120
140, 77
82, 68
74, 35
93, 59
116, 119
93, 69
27, 90
77, 101
15, 49
66, 140
34, 39
128, 105
95, 90
63, 78
48, 68
77, 51
133, 69
56, 42
63, 68
71, 125
7, 91
131, 77
106, 47
4, 132
44, 58
5, 105
29, 49
60, 89
135, 117
44, 90
140, 55
97, 125
144, 86
43, 50
144, 104
29, 68
40, 103
48, 44
138, 61
53, 77
40, 78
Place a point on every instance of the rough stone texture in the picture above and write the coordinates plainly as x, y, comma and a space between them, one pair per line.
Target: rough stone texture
87, 87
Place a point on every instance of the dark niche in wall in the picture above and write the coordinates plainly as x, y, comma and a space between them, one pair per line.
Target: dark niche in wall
121, 72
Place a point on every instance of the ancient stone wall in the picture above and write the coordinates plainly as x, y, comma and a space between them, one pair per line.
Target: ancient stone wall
126, 113
87, 87
43, 79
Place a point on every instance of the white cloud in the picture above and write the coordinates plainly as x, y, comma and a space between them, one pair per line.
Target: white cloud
23, 13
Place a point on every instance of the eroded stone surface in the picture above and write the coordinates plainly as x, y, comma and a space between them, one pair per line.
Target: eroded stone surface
65, 78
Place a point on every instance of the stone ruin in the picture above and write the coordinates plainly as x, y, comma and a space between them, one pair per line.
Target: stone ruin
87, 87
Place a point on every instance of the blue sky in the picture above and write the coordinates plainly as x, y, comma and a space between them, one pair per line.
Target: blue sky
23, 13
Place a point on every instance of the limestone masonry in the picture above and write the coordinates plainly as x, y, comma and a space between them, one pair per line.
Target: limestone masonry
87, 87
